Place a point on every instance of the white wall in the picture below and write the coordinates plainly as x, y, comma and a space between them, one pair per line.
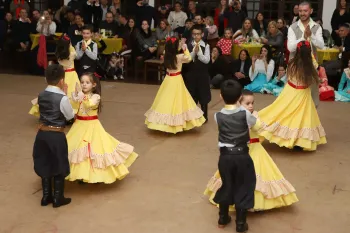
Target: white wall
66, 2
328, 8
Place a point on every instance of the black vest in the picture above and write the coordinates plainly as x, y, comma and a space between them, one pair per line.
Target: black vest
233, 128
87, 61
197, 66
49, 107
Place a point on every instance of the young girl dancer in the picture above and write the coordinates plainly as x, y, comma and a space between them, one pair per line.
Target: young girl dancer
94, 155
65, 54
276, 85
292, 120
343, 93
261, 70
173, 109
272, 189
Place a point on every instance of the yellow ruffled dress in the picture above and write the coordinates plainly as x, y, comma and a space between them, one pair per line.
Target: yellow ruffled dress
272, 190
173, 109
94, 155
292, 119
71, 79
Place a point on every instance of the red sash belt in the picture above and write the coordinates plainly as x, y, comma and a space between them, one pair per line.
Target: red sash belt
295, 86
87, 118
69, 70
254, 140
173, 74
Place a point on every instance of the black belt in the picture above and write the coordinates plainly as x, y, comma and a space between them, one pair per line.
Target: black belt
234, 150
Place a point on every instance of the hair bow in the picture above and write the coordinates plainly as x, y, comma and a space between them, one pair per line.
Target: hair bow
172, 39
301, 43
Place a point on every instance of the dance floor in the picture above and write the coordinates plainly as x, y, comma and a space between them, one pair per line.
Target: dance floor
164, 191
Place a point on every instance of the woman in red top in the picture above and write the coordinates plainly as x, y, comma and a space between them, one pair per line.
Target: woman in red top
219, 20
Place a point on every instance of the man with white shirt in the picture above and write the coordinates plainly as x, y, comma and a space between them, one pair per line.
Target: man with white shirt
305, 29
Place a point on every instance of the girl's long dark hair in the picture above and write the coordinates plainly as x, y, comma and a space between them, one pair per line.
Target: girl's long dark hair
269, 53
97, 88
62, 49
301, 67
171, 50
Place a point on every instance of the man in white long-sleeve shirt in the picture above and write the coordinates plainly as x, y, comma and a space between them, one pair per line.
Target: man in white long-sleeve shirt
86, 52
305, 29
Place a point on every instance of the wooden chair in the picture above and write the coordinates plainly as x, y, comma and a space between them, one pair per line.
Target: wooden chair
156, 65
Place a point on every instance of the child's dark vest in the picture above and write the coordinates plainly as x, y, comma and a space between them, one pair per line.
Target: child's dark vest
87, 61
49, 107
197, 66
233, 128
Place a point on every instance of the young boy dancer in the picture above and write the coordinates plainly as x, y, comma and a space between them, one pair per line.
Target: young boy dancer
197, 77
87, 51
236, 167
50, 153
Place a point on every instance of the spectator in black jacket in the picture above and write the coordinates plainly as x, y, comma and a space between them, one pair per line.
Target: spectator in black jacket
74, 31
109, 25
218, 69
340, 16
343, 42
35, 19
21, 32
146, 12
92, 13
6, 31
240, 68
235, 16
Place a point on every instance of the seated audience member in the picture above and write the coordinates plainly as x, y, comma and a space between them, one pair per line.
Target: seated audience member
198, 19
123, 26
225, 44
109, 26
187, 34
21, 32
213, 33
262, 69
260, 25
74, 31
281, 25
177, 18
46, 26
247, 33
218, 69
274, 38
343, 93
35, 19
130, 36
326, 91
163, 30
147, 43
240, 68
276, 85
163, 12
67, 20
343, 41
6, 32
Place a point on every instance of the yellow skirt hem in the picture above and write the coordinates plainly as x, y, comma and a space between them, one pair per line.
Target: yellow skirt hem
176, 129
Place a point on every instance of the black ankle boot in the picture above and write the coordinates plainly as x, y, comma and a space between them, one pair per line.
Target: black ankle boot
204, 108
241, 220
58, 197
224, 218
47, 191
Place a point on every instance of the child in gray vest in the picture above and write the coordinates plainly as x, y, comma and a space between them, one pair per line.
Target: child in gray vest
236, 167
50, 153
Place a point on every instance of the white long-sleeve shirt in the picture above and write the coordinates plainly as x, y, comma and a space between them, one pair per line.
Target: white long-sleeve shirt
205, 58
316, 39
255, 35
46, 30
260, 69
